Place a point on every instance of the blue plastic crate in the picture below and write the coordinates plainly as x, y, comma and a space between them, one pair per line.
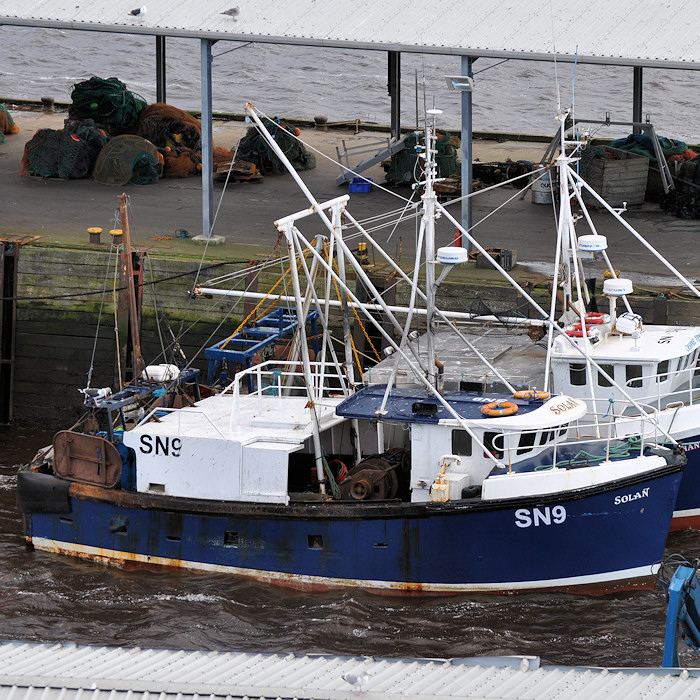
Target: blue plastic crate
361, 184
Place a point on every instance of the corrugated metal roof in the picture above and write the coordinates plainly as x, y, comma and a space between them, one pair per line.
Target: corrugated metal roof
70, 672
629, 32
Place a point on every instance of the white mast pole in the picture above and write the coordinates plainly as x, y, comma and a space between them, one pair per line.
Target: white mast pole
289, 230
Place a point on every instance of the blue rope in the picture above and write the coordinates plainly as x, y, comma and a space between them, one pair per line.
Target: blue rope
611, 403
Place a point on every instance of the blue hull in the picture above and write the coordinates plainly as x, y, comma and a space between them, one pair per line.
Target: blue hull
687, 510
601, 538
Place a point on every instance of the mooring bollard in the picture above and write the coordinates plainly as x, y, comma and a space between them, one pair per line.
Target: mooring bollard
94, 232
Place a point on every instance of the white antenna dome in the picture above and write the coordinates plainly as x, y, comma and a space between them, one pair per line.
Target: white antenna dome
592, 244
617, 287
452, 255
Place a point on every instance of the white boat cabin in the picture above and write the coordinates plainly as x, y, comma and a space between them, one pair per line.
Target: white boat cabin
259, 447
655, 365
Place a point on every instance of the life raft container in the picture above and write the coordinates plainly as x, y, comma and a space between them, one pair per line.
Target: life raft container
531, 394
499, 409
576, 330
593, 318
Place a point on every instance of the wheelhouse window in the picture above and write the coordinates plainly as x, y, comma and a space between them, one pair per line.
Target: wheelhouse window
662, 371
634, 376
527, 442
461, 443
602, 379
546, 436
489, 439
577, 374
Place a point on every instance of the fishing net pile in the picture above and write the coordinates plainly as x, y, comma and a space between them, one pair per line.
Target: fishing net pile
147, 141
69, 153
405, 167
7, 124
128, 159
643, 145
684, 201
167, 126
254, 149
108, 103
181, 161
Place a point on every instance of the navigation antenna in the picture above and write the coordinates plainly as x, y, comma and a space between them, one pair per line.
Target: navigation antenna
573, 86
554, 51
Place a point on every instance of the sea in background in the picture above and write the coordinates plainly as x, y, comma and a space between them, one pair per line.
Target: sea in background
48, 598
341, 84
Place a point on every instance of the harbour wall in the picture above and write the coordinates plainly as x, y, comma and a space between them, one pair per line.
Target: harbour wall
65, 320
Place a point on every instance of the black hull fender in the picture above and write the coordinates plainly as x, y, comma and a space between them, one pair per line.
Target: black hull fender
41, 493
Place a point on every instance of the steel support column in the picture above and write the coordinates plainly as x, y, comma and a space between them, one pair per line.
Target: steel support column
394, 88
466, 151
160, 69
206, 117
637, 98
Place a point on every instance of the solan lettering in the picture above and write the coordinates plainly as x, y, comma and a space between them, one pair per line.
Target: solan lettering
157, 445
564, 406
526, 517
644, 493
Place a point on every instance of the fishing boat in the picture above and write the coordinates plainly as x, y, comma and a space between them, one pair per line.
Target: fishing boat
602, 352
299, 473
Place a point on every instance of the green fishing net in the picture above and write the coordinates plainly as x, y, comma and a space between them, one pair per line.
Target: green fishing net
69, 153
405, 166
128, 159
108, 103
254, 149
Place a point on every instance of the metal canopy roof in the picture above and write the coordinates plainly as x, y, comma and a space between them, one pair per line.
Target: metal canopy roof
70, 672
626, 32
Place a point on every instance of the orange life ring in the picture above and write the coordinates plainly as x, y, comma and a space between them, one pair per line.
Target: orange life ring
531, 394
499, 408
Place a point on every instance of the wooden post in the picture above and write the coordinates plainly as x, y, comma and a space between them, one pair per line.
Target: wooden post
9, 258
138, 363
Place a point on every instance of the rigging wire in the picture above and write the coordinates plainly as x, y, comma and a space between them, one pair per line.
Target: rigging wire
99, 315
483, 70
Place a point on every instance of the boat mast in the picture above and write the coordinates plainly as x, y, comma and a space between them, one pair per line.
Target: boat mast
138, 363
428, 226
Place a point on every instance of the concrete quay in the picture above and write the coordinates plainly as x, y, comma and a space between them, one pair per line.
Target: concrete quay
60, 212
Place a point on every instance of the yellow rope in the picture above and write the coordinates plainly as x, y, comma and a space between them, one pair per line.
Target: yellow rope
260, 303
357, 317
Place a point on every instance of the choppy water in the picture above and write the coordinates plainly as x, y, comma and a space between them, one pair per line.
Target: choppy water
289, 81
47, 598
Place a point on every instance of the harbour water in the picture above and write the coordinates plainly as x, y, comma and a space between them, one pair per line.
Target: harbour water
47, 598
50, 598
341, 84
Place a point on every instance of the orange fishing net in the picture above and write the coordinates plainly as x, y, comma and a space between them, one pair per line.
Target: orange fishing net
164, 125
7, 125
184, 162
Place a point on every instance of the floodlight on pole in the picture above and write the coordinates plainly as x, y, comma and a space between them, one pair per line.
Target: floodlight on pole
464, 84
461, 83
